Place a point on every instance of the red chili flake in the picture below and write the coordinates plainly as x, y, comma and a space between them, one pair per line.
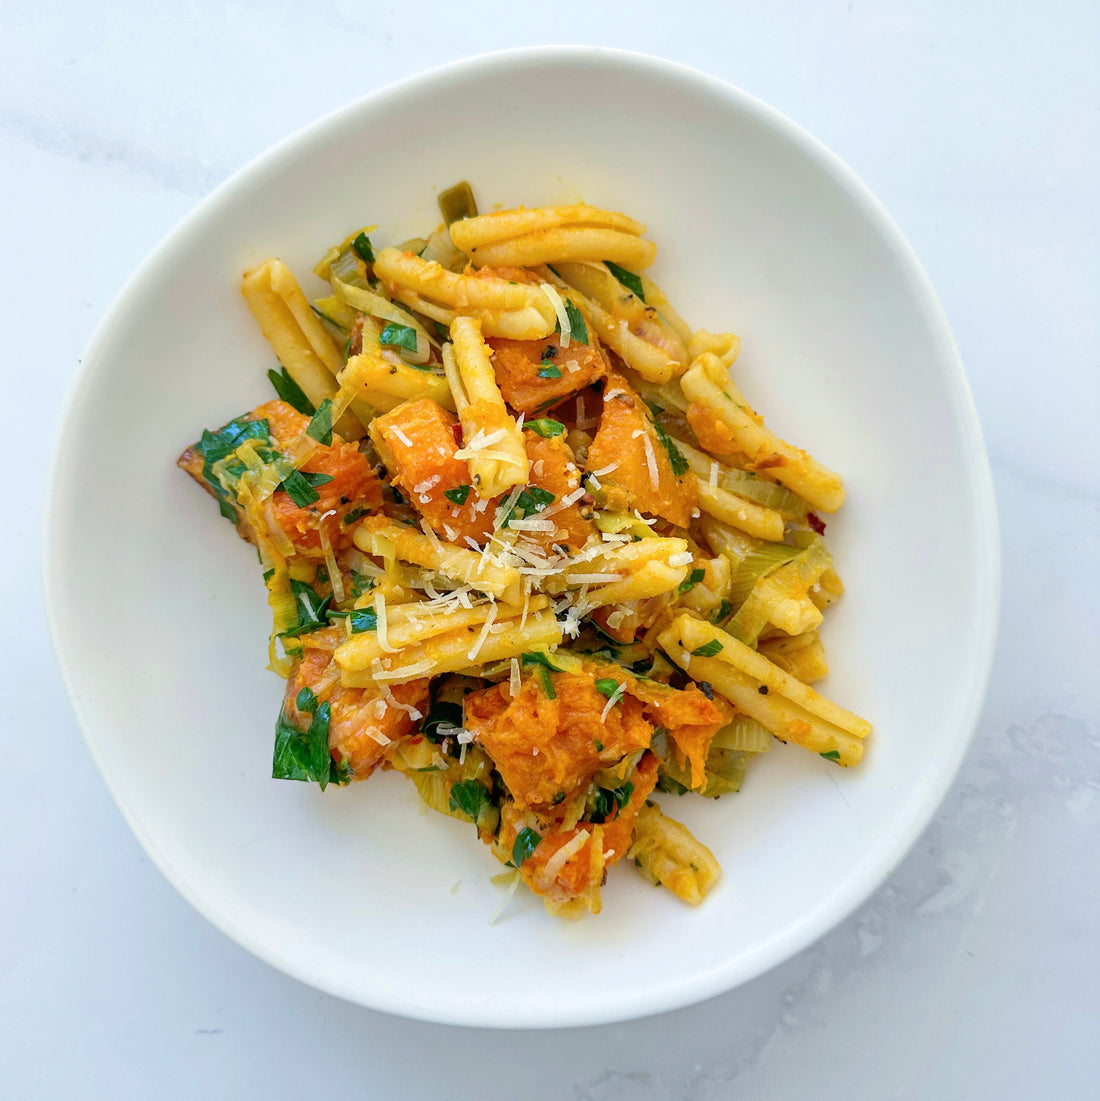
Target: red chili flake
456, 431
815, 522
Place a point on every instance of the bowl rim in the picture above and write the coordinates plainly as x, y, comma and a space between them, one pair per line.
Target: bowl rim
867, 877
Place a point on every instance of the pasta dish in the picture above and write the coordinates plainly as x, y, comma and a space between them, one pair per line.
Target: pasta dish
526, 542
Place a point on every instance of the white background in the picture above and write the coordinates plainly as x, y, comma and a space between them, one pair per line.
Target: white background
975, 972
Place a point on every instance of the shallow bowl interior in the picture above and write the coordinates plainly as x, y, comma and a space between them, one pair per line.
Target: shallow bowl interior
159, 615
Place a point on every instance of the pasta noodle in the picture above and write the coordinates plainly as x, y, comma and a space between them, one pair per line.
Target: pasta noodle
525, 542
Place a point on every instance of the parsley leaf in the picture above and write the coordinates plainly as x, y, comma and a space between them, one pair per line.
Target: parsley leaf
363, 619
707, 651
527, 840
533, 499
632, 282
609, 802
398, 336
549, 370
458, 495
216, 446
443, 713
577, 328
363, 249
680, 465
547, 683
320, 427
304, 754
312, 608
691, 581
354, 514
300, 486
610, 688
360, 583
546, 427
723, 612
468, 797
832, 755
290, 391
535, 658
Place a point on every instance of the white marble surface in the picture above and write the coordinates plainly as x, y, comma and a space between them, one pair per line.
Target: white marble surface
975, 972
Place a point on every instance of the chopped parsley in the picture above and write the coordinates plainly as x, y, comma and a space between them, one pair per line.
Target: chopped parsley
535, 658
577, 328
363, 619
320, 427
675, 456
291, 392
527, 840
547, 683
832, 755
300, 487
692, 580
610, 688
546, 427
609, 802
632, 282
304, 754
398, 336
457, 495
533, 499
363, 249
216, 446
707, 651
549, 370
360, 583
444, 715
354, 514
312, 608
723, 612
468, 797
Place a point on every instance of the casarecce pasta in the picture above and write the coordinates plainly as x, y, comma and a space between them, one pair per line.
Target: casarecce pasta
525, 541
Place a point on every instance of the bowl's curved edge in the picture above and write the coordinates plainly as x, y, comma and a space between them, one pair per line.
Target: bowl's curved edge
867, 877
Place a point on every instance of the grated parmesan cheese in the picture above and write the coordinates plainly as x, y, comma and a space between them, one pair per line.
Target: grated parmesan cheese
533, 524
408, 672
393, 701
559, 308
566, 853
483, 636
612, 700
382, 627
428, 483
334, 574
681, 559
376, 736
402, 437
651, 461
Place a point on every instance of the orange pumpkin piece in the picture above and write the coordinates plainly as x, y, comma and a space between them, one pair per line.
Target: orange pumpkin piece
627, 448
548, 749
417, 441
364, 729
517, 364
581, 875
353, 485
553, 469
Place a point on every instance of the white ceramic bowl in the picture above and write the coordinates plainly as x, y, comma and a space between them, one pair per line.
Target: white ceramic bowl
159, 617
